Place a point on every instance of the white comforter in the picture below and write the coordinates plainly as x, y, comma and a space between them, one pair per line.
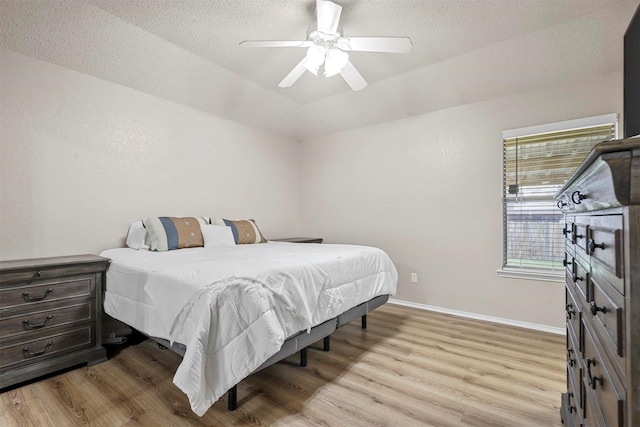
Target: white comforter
233, 307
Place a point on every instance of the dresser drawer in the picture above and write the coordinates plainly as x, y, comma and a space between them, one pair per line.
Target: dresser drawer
569, 229
568, 413
574, 319
44, 347
605, 241
573, 401
16, 326
569, 255
606, 313
574, 370
28, 296
603, 390
569, 247
580, 235
580, 279
55, 268
614, 285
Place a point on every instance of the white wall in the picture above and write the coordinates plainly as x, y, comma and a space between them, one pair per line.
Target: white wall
427, 190
81, 157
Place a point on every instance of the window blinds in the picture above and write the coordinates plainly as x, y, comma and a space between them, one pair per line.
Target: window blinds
535, 168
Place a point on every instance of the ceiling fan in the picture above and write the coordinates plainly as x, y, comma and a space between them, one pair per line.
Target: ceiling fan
326, 45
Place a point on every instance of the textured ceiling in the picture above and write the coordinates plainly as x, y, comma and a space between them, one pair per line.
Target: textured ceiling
439, 29
187, 51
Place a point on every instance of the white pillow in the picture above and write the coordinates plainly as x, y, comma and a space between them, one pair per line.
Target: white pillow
217, 236
136, 236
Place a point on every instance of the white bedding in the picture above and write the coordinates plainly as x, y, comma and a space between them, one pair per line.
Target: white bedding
233, 307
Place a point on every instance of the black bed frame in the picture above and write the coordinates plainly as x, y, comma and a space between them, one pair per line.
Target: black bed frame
299, 341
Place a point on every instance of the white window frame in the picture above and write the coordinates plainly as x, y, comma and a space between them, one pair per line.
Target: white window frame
550, 276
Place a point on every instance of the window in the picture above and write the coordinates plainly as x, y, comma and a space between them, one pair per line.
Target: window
537, 161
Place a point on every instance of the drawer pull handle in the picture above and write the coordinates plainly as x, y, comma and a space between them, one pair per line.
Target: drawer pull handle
561, 204
577, 198
571, 361
595, 309
571, 407
593, 246
593, 381
570, 311
577, 278
30, 298
38, 274
39, 325
38, 353
566, 262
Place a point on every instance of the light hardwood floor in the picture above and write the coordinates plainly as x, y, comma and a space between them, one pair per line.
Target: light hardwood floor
408, 368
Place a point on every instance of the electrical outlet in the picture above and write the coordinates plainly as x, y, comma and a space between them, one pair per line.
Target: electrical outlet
414, 277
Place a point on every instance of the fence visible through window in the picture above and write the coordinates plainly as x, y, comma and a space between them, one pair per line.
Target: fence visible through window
535, 167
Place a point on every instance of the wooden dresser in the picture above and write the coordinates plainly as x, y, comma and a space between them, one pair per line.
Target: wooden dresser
50, 315
601, 203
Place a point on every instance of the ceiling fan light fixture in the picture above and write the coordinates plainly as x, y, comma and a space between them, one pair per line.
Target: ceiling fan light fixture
335, 61
325, 45
314, 59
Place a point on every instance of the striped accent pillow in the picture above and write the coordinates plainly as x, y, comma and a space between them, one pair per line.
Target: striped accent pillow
168, 233
244, 230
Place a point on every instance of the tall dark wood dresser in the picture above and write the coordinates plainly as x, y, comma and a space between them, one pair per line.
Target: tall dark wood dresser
601, 203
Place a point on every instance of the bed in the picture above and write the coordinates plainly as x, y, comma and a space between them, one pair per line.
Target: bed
231, 311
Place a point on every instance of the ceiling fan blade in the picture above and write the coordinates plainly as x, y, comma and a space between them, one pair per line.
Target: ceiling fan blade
275, 43
328, 14
294, 74
353, 77
376, 44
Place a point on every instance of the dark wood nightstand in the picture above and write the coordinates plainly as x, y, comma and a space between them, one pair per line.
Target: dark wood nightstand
299, 240
50, 315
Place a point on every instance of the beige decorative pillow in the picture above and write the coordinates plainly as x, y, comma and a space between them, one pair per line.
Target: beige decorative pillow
168, 233
244, 230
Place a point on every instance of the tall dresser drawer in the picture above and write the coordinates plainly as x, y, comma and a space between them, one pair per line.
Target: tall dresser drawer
568, 230
580, 235
574, 368
602, 388
569, 254
581, 278
605, 243
574, 318
606, 312
574, 400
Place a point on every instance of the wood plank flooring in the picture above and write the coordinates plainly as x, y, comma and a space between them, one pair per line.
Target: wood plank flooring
408, 368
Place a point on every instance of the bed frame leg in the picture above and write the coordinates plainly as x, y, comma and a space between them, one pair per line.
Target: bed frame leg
303, 357
364, 322
232, 397
326, 343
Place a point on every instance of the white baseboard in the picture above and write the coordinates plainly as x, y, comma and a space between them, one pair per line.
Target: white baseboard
510, 322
